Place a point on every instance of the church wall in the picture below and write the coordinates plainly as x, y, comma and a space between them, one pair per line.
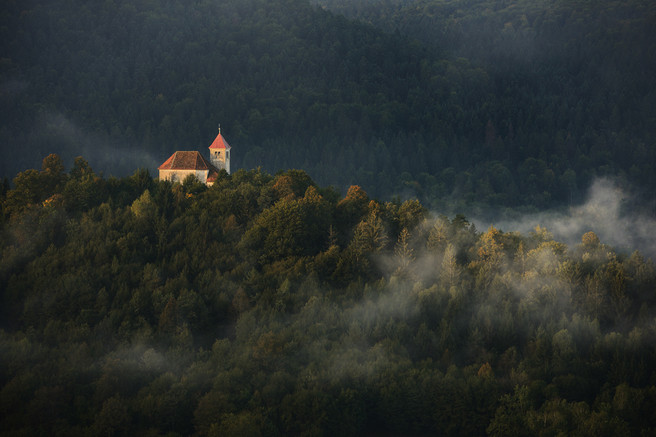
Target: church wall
180, 175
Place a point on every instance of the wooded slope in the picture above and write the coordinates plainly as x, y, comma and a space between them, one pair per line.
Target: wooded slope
266, 305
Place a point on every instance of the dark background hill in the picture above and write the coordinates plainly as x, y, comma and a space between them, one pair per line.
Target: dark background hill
460, 103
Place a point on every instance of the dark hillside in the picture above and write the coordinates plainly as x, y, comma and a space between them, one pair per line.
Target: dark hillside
289, 82
504, 104
573, 82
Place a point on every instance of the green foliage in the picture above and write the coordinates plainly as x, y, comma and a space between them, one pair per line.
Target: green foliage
154, 308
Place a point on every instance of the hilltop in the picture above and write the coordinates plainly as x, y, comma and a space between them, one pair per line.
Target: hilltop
267, 305
513, 104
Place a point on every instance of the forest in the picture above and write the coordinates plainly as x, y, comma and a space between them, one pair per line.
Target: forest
268, 305
335, 282
466, 105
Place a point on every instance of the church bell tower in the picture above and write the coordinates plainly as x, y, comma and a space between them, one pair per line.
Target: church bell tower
220, 153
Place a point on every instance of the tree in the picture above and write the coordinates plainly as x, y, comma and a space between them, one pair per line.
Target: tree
113, 418
32, 186
411, 213
490, 257
510, 416
192, 186
351, 208
84, 188
490, 250
590, 241
141, 180
244, 423
168, 319
81, 169
403, 251
369, 235
27, 191
450, 271
291, 227
438, 234
295, 182
144, 207
52, 174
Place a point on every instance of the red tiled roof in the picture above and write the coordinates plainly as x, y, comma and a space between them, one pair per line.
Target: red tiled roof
220, 143
212, 176
187, 160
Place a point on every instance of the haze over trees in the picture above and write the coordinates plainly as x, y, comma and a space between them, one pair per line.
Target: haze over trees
514, 104
267, 305
320, 301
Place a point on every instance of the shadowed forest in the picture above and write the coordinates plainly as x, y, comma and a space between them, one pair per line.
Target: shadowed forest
463, 104
267, 305
352, 295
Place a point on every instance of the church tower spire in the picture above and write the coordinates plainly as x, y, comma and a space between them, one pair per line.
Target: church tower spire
220, 152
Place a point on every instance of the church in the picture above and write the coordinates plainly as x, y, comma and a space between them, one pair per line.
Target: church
183, 163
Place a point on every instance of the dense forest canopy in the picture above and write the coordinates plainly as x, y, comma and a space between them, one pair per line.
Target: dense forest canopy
267, 305
459, 103
270, 304
576, 78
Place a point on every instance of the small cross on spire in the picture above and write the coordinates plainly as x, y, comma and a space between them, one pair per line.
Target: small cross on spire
219, 127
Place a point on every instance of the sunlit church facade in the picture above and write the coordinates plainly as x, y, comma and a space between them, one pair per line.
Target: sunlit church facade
184, 163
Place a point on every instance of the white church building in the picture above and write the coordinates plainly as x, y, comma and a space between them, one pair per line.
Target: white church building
183, 163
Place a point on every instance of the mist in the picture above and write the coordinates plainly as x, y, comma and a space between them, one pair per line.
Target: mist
102, 152
56, 133
609, 210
